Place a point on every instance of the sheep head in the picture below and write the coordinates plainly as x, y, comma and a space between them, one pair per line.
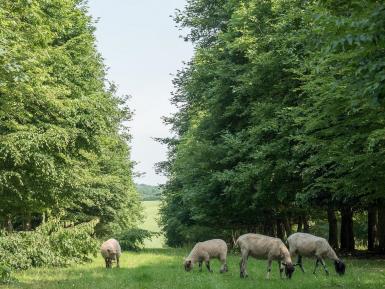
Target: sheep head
188, 265
340, 267
289, 270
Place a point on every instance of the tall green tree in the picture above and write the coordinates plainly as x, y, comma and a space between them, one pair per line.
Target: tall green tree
279, 120
61, 142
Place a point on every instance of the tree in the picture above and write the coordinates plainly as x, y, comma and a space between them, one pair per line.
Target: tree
62, 146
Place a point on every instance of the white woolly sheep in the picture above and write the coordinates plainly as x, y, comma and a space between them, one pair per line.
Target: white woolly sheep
111, 251
264, 247
205, 251
303, 244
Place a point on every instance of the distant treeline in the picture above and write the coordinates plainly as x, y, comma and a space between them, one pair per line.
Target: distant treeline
280, 124
148, 193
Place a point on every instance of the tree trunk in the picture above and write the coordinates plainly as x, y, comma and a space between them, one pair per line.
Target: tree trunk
306, 226
287, 225
27, 222
333, 229
381, 229
300, 223
8, 223
269, 227
372, 228
280, 229
347, 234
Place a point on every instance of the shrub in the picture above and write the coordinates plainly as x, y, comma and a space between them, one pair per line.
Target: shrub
5, 275
133, 239
49, 245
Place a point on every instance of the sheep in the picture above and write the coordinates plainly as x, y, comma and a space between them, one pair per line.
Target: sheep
303, 244
110, 251
204, 251
262, 247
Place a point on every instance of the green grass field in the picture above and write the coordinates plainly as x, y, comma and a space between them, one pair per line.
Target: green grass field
157, 269
162, 268
151, 215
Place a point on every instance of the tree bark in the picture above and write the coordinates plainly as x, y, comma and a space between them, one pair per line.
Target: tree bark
347, 234
306, 226
27, 222
280, 229
300, 223
287, 225
372, 228
381, 229
269, 227
333, 229
8, 223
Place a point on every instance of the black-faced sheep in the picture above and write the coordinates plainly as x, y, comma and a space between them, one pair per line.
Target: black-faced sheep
204, 252
264, 247
303, 244
111, 251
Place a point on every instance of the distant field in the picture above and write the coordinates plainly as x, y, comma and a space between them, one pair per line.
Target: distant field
151, 214
162, 269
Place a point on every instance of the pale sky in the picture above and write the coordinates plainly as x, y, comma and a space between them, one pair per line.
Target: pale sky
141, 47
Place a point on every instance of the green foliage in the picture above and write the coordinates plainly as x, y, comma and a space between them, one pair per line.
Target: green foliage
63, 146
148, 193
280, 117
5, 275
51, 244
133, 239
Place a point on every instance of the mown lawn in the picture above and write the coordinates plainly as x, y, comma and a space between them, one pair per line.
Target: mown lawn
154, 269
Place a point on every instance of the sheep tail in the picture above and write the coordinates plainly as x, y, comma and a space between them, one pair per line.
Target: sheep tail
235, 241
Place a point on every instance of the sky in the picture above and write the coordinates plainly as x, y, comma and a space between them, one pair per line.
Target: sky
142, 48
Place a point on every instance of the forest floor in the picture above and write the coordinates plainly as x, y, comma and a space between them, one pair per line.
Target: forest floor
162, 268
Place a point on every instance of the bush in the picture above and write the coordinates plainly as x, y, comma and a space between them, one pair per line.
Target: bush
5, 275
133, 239
49, 245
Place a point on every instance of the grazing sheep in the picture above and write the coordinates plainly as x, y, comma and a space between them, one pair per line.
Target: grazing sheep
204, 251
264, 247
303, 244
110, 251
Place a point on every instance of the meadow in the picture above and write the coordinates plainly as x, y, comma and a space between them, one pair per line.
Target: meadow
162, 268
150, 222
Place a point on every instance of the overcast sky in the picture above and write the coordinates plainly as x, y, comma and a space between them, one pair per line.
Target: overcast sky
141, 47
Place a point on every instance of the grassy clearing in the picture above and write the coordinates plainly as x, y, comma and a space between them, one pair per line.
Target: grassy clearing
157, 269
151, 214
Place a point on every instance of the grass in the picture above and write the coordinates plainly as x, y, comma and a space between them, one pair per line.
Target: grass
162, 268
157, 269
151, 214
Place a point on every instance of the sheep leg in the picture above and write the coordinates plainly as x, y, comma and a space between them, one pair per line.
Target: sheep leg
316, 265
324, 265
200, 266
224, 266
280, 267
106, 261
299, 263
117, 262
268, 269
208, 266
243, 265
